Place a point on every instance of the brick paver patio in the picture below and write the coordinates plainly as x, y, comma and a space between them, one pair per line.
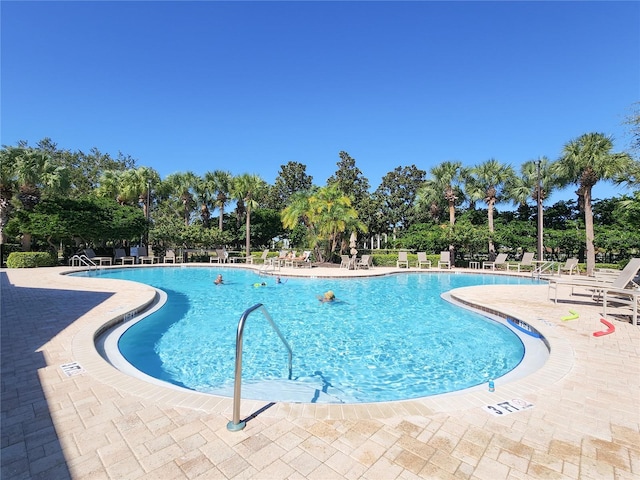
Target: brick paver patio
102, 424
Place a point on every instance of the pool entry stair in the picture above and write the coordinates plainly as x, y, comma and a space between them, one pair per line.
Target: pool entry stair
236, 425
82, 260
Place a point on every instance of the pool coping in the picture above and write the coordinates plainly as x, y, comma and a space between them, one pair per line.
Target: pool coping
558, 365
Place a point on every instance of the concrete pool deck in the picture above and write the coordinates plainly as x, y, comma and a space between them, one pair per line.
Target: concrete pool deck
100, 423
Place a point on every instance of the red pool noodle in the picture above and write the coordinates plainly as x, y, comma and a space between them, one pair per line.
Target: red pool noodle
609, 330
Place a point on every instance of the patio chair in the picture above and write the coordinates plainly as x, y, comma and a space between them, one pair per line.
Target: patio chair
222, 256
527, 261
570, 266
501, 259
291, 256
122, 257
423, 260
402, 260
617, 297
302, 261
91, 255
279, 260
146, 257
364, 262
445, 259
598, 286
169, 256
345, 262
250, 258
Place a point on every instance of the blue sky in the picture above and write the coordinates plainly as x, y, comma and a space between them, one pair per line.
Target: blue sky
249, 86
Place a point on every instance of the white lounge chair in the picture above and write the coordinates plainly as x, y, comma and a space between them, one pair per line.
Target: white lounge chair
597, 286
445, 259
402, 260
345, 262
621, 297
501, 259
364, 262
527, 261
222, 256
302, 261
569, 266
169, 256
423, 260
251, 259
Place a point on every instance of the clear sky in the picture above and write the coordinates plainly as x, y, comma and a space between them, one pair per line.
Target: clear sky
249, 86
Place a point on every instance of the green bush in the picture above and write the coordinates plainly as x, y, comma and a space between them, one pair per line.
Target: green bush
30, 260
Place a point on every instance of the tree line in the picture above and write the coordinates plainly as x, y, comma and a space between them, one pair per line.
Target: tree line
58, 200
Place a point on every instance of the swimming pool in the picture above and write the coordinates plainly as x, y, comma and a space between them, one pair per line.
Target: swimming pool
386, 338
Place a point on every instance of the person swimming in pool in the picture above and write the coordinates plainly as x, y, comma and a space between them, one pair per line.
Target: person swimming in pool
328, 296
218, 280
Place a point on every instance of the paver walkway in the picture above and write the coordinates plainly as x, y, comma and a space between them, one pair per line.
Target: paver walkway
101, 423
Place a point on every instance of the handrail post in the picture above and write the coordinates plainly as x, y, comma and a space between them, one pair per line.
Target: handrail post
236, 425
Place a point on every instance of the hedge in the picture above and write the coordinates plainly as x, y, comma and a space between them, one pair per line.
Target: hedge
30, 260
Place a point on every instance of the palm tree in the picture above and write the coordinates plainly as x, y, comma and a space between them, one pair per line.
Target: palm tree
492, 176
32, 170
182, 185
247, 189
585, 161
220, 182
326, 212
537, 182
445, 184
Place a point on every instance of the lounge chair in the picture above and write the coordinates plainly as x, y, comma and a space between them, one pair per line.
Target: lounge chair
598, 286
402, 260
617, 297
501, 259
279, 260
303, 261
527, 261
423, 260
122, 257
91, 255
364, 262
169, 256
445, 259
144, 257
222, 256
250, 259
345, 262
291, 256
570, 266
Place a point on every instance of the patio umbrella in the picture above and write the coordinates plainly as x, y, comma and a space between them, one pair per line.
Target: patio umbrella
352, 243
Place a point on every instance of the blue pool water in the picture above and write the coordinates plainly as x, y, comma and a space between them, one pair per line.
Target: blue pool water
386, 338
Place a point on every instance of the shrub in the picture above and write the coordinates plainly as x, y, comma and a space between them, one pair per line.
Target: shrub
30, 260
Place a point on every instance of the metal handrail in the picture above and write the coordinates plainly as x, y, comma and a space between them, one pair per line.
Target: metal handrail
82, 260
542, 268
236, 425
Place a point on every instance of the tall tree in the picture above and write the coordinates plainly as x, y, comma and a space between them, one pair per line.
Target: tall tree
491, 176
248, 188
28, 173
584, 162
327, 213
221, 185
349, 179
182, 186
291, 178
445, 185
536, 181
398, 192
